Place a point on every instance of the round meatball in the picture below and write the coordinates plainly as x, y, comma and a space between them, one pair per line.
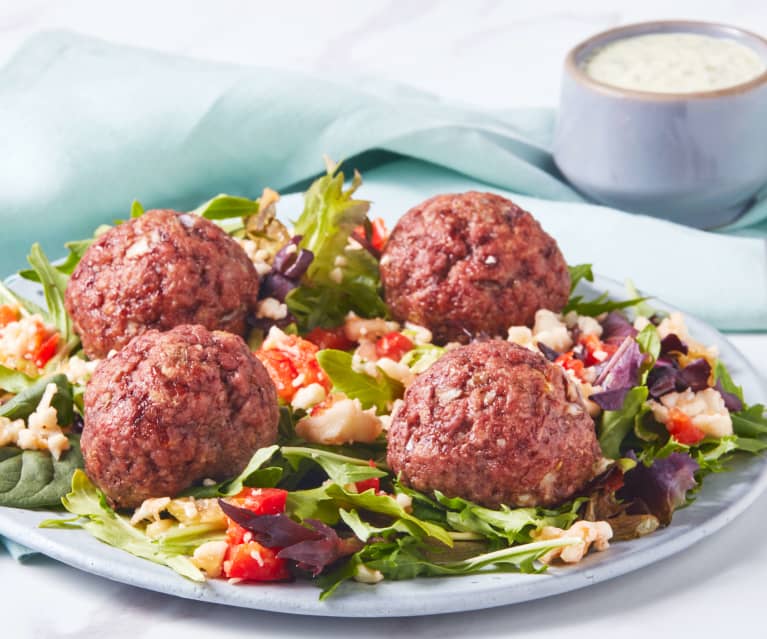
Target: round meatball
471, 264
494, 423
158, 271
173, 408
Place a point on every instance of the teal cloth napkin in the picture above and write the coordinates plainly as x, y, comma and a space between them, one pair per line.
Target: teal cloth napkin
87, 126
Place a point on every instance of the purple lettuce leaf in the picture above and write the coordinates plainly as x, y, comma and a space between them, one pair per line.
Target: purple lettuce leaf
622, 369
672, 344
696, 374
272, 531
314, 555
612, 399
731, 400
662, 487
548, 352
615, 328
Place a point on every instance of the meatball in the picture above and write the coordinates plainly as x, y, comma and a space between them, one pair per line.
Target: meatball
158, 271
471, 264
494, 423
173, 408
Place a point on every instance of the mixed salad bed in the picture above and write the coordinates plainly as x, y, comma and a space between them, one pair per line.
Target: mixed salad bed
321, 503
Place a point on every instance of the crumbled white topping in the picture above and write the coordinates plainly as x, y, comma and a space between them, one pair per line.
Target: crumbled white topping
337, 275
490, 260
420, 335
77, 370
41, 432
308, 396
344, 421
356, 327
365, 575
396, 371
706, 410
596, 533
550, 329
209, 557
19, 340
405, 501
271, 308
149, 510
522, 336
589, 326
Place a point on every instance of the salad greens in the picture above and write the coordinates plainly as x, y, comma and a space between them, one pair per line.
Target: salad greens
379, 392
597, 306
34, 479
23, 404
94, 514
341, 278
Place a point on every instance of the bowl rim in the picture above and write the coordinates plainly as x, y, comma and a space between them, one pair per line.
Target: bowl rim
642, 28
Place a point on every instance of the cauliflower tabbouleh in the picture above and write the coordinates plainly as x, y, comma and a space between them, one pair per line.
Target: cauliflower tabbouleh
365, 423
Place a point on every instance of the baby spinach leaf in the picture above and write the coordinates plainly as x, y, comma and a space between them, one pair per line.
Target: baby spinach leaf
24, 404
616, 424
34, 479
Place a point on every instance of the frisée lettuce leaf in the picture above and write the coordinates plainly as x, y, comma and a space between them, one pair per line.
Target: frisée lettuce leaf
598, 305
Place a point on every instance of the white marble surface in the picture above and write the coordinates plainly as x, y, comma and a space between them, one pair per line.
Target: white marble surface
492, 54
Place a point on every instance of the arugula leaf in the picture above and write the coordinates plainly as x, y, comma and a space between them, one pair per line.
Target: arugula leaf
371, 391
616, 425
749, 422
328, 292
722, 375
642, 309
597, 306
250, 476
34, 479
94, 515
403, 559
54, 287
341, 469
7, 296
21, 406
420, 358
364, 531
649, 341
13, 381
224, 207
136, 209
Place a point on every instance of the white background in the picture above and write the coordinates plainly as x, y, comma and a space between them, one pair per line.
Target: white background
492, 54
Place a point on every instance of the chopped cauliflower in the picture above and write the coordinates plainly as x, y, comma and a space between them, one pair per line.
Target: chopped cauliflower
343, 421
522, 336
675, 323
589, 326
356, 328
209, 557
396, 371
706, 410
419, 334
149, 510
596, 533
550, 329
308, 396
41, 432
366, 575
271, 308
78, 370
18, 342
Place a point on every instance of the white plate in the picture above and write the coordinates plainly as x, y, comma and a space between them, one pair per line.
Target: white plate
723, 497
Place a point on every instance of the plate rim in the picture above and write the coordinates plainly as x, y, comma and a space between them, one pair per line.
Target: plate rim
364, 601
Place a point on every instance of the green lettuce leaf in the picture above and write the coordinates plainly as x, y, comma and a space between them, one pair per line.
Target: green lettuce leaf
250, 476
616, 425
224, 207
379, 392
94, 514
34, 479
420, 358
341, 469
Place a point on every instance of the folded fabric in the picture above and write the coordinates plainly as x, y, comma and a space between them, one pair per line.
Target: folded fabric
88, 126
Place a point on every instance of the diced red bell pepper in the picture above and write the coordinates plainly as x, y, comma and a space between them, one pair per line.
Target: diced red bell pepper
292, 365
597, 351
569, 362
681, 428
393, 345
47, 349
253, 562
367, 484
8, 314
261, 501
380, 234
330, 338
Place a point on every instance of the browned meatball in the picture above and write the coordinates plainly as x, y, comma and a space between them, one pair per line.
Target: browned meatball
173, 408
494, 423
158, 271
471, 264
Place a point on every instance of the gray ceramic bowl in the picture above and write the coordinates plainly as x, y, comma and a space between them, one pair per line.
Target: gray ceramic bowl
694, 158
